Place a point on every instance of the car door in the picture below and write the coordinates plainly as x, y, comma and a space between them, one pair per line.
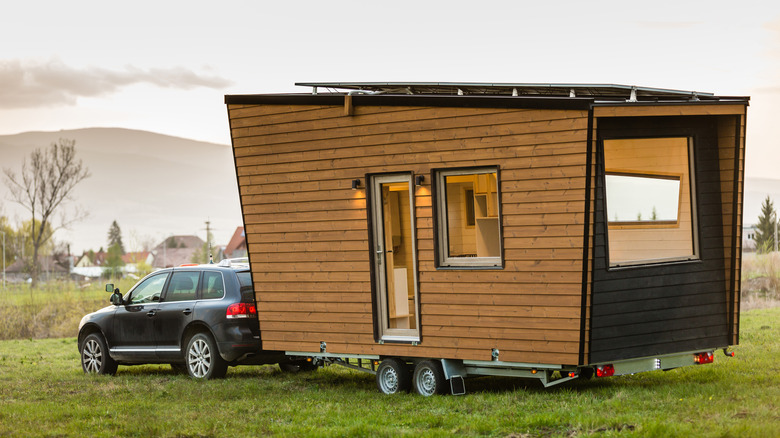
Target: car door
133, 321
175, 312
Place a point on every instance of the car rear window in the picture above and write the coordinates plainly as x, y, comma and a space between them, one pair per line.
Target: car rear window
247, 288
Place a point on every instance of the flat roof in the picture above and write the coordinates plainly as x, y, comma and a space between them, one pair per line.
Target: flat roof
599, 92
507, 95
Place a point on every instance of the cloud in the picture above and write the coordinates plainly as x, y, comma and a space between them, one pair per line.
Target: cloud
52, 83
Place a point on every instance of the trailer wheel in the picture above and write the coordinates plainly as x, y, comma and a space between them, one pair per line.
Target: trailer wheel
429, 378
393, 376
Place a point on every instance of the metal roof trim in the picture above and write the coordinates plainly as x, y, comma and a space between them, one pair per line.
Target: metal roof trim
608, 89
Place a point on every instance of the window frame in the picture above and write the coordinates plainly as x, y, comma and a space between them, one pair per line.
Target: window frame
441, 220
629, 224
169, 292
130, 294
695, 249
202, 285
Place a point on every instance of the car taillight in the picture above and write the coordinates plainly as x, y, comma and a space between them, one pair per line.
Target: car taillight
605, 370
241, 310
702, 358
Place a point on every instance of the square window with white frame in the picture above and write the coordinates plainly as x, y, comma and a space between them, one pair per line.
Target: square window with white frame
468, 217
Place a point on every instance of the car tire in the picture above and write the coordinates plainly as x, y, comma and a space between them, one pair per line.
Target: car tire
429, 378
94, 356
202, 358
393, 376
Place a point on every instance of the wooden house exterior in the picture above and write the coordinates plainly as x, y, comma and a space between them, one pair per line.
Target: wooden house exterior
493, 222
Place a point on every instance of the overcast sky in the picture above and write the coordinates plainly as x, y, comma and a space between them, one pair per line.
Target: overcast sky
165, 66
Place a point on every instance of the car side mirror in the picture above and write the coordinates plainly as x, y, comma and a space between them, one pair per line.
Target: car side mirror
109, 287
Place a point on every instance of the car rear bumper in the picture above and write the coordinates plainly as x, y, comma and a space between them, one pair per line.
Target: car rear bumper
236, 340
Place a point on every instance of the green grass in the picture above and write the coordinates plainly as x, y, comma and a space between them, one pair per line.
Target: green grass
43, 392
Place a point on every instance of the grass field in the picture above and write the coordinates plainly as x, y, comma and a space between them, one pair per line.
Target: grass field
44, 393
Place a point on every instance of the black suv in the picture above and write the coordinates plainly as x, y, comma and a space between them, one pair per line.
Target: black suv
199, 318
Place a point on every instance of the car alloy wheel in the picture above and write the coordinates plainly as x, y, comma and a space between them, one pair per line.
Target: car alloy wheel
199, 358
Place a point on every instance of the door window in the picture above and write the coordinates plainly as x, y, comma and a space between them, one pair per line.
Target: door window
148, 290
183, 286
213, 286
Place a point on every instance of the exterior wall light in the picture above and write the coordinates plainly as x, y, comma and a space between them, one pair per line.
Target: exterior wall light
418, 180
355, 184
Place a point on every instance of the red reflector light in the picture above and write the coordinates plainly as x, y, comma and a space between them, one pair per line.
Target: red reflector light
702, 358
241, 310
605, 371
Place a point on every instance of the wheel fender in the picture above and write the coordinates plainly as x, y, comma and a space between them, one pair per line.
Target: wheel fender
198, 327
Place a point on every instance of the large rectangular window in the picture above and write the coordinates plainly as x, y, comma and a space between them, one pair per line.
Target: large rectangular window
468, 217
650, 200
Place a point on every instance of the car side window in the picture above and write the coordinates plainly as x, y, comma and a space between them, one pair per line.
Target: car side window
213, 286
183, 286
148, 290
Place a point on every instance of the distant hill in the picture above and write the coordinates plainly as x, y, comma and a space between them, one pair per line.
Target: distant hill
153, 185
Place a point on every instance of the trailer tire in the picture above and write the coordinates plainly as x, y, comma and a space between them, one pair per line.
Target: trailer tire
393, 376
429, 378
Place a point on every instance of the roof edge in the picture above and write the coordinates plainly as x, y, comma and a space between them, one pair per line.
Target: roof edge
490, 101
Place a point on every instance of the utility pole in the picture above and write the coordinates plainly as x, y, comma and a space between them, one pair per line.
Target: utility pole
208, 240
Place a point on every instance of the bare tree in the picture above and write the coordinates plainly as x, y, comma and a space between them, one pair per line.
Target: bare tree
44, 184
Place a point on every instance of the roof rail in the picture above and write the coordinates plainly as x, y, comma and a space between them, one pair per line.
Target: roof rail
235, 262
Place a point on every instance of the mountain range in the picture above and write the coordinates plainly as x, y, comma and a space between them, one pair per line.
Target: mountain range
153, 185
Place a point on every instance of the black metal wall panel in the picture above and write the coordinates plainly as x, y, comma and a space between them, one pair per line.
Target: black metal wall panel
662, 308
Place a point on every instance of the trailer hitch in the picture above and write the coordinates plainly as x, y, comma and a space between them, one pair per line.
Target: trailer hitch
728, 353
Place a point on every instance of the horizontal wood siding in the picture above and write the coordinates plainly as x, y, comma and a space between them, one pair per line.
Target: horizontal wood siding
667, 308
307, 232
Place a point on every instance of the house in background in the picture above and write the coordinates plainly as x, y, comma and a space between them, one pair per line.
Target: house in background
89, 265
132, 261
175, 251
52, 267
237, 246
91, 260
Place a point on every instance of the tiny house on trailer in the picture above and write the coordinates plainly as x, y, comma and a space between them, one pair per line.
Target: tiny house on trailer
429, 232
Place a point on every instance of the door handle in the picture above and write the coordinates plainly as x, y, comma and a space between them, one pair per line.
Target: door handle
152, 313
186, 311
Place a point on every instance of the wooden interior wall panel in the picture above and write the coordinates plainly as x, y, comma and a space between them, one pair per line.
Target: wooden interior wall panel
307, 230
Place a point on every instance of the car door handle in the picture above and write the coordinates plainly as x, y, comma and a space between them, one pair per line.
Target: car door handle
186, 311
152, 313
